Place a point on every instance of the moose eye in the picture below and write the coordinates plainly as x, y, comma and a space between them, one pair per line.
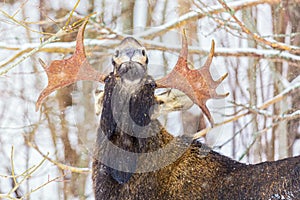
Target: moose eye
117, 53
143, 52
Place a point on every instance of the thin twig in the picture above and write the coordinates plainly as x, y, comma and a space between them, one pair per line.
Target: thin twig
35, 168
25, 176
40, 186
255, 36
60, 165
198, 14
71, 14
256, 135
265, 105
33, 51
281, 117
13, 166
68, 47
21, 24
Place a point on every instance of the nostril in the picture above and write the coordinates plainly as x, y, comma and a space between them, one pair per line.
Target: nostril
124, 68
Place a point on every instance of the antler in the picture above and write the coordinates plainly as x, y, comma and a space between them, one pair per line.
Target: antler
62, 73
196, 84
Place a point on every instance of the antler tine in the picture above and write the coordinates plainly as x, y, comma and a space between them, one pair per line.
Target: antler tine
184, 50
62, 73
197, 84
204, 70
43, 63
210, 56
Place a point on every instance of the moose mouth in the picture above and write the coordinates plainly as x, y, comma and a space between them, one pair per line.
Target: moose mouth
131, 72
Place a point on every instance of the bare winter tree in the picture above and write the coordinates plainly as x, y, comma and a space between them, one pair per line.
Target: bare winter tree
257, 43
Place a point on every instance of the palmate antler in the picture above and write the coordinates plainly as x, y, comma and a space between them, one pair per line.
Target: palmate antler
62, 73
197, 84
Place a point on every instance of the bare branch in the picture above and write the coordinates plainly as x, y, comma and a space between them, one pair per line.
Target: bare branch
68, 47
60, 165
41, 186
33, 51
53, 38
280, 96
277, 98
197, 14
25, 176
265, 113
271, 43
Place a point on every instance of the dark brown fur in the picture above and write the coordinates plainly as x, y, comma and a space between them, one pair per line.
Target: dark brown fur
199, 173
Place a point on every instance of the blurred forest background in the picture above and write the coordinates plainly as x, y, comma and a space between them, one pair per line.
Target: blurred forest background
47, 154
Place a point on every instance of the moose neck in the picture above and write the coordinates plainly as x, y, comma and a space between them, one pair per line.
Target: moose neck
126, 123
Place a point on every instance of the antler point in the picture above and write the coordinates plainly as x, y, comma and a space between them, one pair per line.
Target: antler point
221, 78
43, 63
212, 48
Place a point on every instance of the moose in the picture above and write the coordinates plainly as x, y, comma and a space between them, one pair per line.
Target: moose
136, 158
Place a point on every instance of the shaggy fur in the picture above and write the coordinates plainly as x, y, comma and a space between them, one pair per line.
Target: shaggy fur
199, 173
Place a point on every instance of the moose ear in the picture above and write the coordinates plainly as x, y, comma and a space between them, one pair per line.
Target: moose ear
169, 101
62, 73
196, 84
